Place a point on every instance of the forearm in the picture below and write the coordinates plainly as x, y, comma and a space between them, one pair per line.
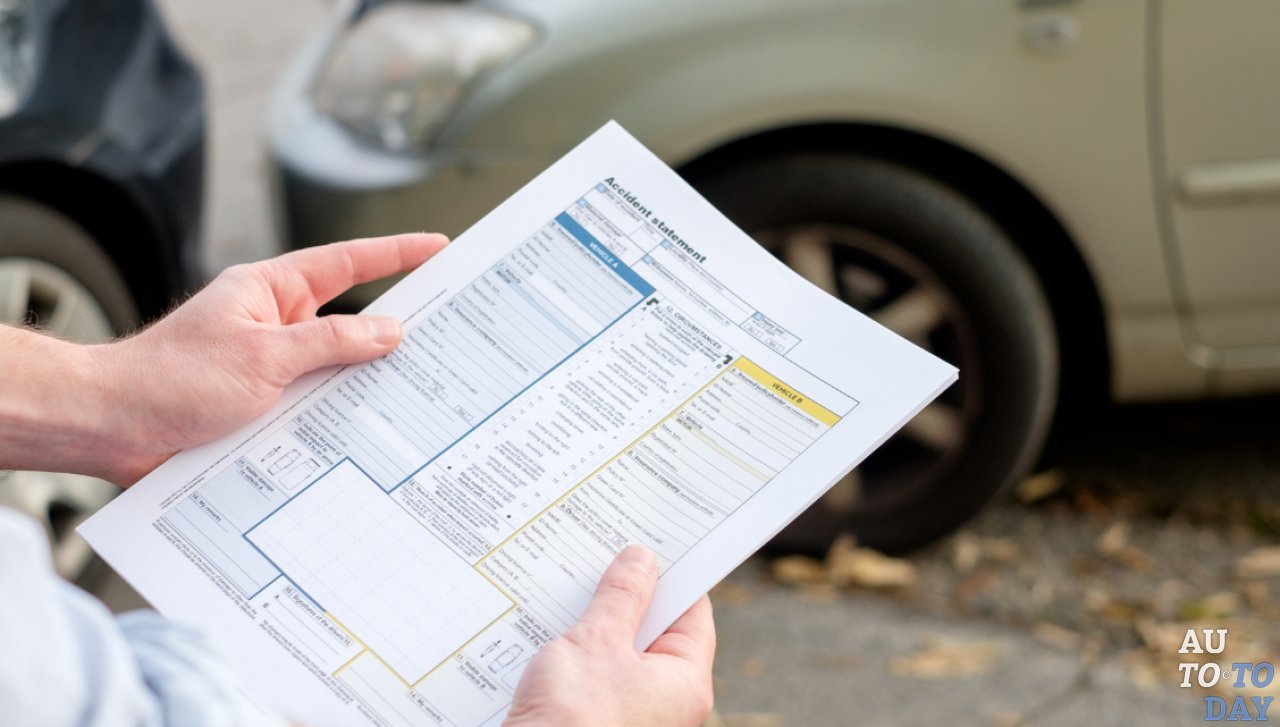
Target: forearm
54, 405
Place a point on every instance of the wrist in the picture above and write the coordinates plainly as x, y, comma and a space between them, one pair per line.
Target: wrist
110, 438
57, 408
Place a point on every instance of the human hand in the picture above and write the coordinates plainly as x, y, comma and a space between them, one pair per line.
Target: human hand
594, 676
224, 356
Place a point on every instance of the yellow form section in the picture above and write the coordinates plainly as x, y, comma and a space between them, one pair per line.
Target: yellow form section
800, 401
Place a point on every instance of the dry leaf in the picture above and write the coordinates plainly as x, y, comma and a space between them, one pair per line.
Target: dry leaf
753, 667
1113, 538
1258, 596
1114, 545
948, 660
1134, 559
1260, 563
1160, 638
843, 544
1039, 486
1218, 606
837, 661
1057, 636
1146, 675
1004, 718
819, 592
798, 569
1001, 550
732, 594
966, 552
864, 567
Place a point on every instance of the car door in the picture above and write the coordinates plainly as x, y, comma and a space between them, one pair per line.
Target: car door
1216, 127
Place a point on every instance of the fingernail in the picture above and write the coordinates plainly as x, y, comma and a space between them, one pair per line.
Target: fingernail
386, 331
639, 556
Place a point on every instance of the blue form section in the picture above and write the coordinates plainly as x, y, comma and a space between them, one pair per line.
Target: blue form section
520, 291
508, 401
598, 249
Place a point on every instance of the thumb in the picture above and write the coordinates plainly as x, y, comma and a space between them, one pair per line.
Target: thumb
623, 595
338, 339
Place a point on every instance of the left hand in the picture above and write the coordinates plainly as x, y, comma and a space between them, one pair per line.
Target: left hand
224, 356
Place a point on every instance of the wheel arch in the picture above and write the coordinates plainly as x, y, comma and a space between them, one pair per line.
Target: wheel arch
113, 217
1040, 236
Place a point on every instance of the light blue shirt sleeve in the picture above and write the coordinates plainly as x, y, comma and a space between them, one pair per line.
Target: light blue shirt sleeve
65, 661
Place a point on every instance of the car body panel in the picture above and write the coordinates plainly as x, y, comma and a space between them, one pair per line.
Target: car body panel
1055, 94
114, 109
1220, 125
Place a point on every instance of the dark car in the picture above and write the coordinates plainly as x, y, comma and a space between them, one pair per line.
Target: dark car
101, 185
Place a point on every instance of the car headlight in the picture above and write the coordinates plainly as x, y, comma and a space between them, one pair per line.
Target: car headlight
16, 54
396, 76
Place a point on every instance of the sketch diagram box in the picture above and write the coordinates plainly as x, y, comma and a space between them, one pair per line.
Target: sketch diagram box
378, 572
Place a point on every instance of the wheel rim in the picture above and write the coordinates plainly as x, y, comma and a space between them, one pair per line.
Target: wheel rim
36, 293
894, 287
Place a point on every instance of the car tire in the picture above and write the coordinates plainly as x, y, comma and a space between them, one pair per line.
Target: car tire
923, 259
55, 276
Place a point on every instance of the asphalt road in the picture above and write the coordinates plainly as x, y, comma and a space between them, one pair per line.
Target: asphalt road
1037, 614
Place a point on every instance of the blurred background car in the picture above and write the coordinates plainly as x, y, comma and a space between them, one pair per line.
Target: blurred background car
101, 183
1071, 201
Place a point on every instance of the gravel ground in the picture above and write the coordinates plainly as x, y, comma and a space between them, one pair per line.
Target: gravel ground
1068, 609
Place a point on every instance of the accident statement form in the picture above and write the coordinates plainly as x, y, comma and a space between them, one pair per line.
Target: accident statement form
602, 360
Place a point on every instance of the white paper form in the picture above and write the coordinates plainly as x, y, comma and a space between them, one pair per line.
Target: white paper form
602, 360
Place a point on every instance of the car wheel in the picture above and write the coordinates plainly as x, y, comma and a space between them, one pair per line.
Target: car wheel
927, 263
55, 277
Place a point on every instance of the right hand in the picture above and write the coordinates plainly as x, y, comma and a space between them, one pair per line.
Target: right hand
594, 676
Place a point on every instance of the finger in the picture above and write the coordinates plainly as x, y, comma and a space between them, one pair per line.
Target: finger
335, 339
692, 637
329, 270
623, 595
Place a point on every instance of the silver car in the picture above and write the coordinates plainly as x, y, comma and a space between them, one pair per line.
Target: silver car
1070, 200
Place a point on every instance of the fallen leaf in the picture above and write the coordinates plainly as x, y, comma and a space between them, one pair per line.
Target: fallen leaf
865, 567
974, 585
1146, 675
1113, 538
1258, 596
843, 544
1002, 718
1002, 550
753, 667
837, 661
819, 592
948, 660
1057, 636
1160, 638
1114, 545
966, 551
1219, 605
798, 569
1088, 501
733, 594
1039, 486
1134, 559
1261, 562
